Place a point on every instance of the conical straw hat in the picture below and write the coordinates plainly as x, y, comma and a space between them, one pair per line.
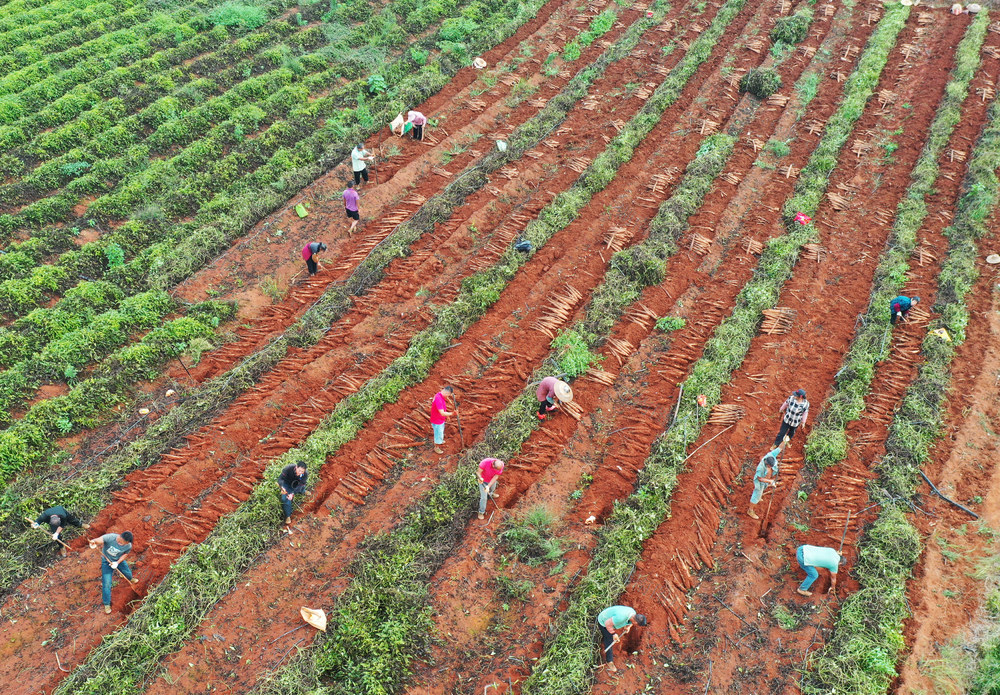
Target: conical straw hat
564, 392
315, 617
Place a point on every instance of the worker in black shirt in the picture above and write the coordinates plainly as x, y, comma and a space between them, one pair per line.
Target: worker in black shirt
57, 518
292, 481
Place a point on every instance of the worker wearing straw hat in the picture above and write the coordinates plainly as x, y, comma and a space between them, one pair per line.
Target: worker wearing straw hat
57, 518
766, 474
614, 622
489, 474
114, 547
550, 393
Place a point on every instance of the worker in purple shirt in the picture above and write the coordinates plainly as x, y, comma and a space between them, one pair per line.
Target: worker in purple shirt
351, 198
550, 393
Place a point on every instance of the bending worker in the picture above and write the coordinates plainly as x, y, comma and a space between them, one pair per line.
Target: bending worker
309, 252
57, 517
415, 121
614, 622
812, 556
489, 474
550, 393
899, 308
766, 474
292, 481
114, 548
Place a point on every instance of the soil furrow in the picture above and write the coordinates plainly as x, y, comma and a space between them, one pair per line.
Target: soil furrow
845, 263
215, 507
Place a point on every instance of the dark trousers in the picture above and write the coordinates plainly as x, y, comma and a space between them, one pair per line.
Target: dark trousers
286, 504
545, 407
358, 175
418, 132
311, 264
785, 429
607, 639
892, 316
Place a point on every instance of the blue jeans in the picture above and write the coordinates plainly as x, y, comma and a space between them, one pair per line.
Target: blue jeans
438, 433
484, 491
107, 574
811, 573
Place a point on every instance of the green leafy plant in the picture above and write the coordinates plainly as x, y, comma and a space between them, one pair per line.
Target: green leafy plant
668, 324
761, 82
572, 353
793, 28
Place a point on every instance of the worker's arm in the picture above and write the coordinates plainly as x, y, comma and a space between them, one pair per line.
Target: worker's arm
833, 582
805, 416
783, 406
610, 625
96, 542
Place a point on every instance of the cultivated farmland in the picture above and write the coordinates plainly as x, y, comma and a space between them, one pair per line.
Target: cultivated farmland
720, 199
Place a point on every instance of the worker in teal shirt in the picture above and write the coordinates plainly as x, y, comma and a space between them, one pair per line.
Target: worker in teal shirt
766, 474
812, 556
614, 622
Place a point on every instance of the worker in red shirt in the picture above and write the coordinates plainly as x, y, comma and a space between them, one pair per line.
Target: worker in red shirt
440, 415
489, 474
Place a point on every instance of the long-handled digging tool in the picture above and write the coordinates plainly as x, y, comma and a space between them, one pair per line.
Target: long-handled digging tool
110, 562
765, 521
458, 419
55, 538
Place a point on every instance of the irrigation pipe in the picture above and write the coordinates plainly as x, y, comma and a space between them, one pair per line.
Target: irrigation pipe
950, 501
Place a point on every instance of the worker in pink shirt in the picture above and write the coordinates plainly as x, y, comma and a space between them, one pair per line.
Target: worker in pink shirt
440, 415
351, 198
417, 120
489, 473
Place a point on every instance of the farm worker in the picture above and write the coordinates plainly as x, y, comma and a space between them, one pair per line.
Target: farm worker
113, 549
489, 473
415, 121
812, 556
351, 205
359, 157
57, 517
292, 481
899, 307
309, 252
796, 410
611, 620
766, 474
439, 415
550, 393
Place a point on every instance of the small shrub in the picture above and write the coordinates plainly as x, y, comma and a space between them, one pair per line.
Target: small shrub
670, 323
235, 14
115, 255
574, 357
195, 348
792, 29
531, 538
761, 82
419, 55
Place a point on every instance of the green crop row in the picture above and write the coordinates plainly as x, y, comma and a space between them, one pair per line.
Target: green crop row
180, 601
88, 494
868, 636
33, 436
566, 663
54, 15
62, 359
70, 92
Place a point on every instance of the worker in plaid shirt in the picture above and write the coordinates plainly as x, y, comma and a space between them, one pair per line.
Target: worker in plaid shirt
796, 410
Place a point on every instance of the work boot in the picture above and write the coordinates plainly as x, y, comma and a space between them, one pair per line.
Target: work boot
804, 593
481, 515
751, 514
288, 520
62, 551
107, 609
438, 450
134, 580
541, 416
612, 667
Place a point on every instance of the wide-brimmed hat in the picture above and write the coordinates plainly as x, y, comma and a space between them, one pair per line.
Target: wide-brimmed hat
315, 617
478, 63
563, 392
